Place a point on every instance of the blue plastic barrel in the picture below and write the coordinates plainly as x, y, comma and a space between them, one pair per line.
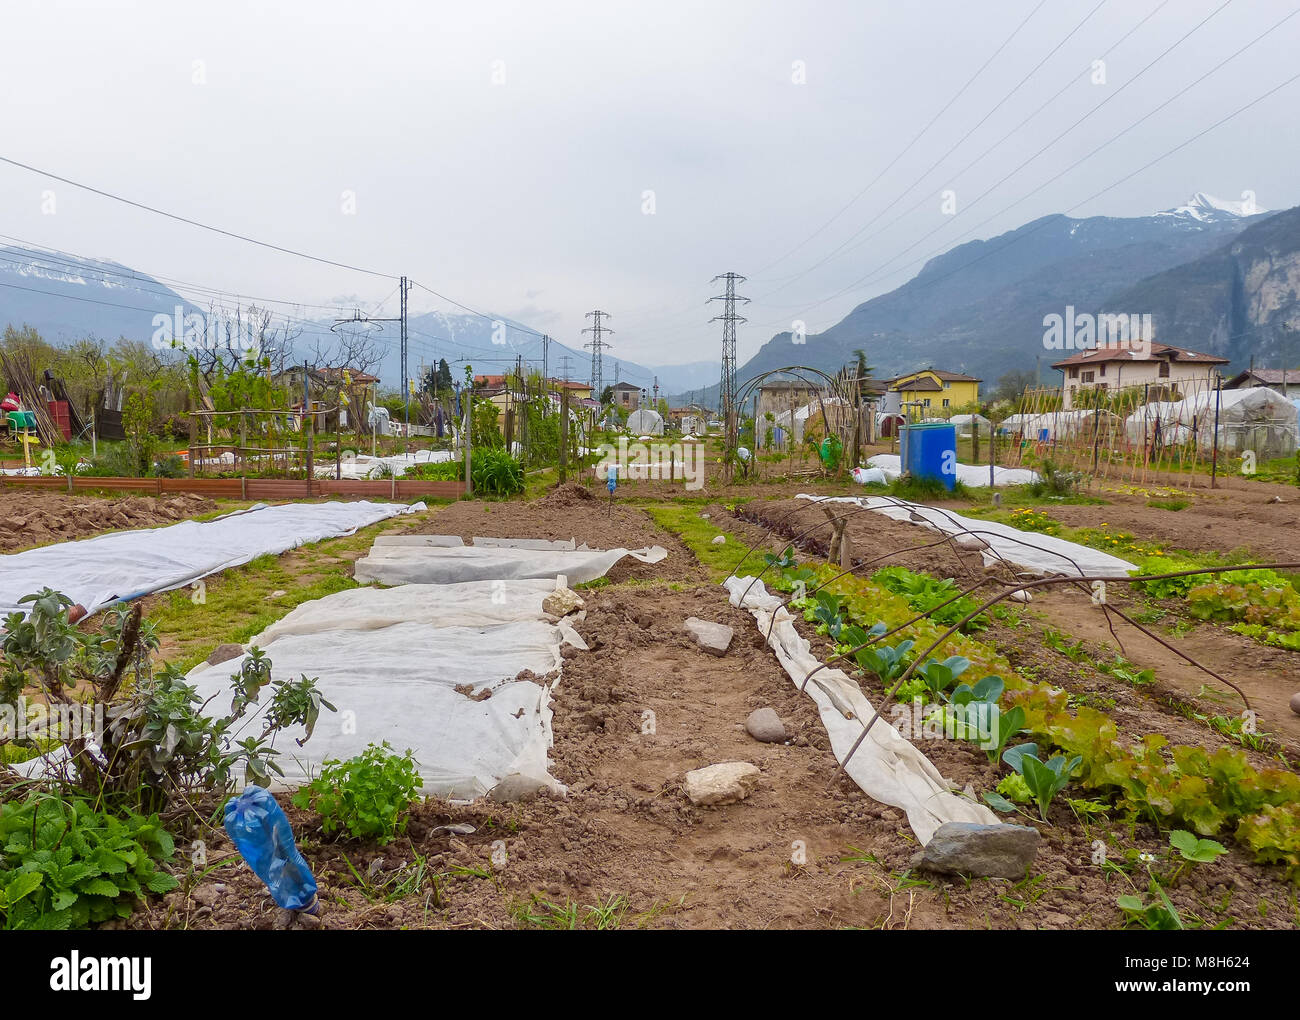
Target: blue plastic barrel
930, 451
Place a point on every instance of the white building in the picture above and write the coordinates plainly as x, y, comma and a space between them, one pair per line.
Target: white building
1158, 366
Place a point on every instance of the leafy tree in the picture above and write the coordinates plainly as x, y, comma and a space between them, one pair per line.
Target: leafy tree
1012, 385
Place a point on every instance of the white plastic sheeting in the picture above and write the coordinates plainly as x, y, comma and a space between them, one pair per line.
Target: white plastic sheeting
644, 422
390, 662
127, 564
886, 766
1034, 552
365, 466
968, 474
1256, 418
1061, 424
415, 559
966, 424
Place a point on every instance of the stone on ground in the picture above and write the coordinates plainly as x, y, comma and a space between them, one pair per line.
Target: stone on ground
714, 638
724, 783
224, 653
562, 602
1295, 703
765, 725
968, 848
719, 539
971, 542
516, 788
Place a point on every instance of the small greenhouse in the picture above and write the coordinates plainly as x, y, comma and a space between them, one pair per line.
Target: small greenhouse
643, 422
1256, 418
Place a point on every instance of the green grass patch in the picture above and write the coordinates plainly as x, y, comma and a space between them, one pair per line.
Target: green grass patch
698, 534
238, 604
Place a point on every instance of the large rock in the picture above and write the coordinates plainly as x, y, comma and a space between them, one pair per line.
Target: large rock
968, 848
724, 783
765, 725
714, 638
562, 602
224, 653
1295, 703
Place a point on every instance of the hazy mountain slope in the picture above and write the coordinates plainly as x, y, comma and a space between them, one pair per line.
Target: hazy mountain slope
1239, 301
979, 308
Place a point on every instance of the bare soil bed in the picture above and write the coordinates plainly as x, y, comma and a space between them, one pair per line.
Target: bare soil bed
34, 517
627, 848
1268, 676
1217, 521
569, 512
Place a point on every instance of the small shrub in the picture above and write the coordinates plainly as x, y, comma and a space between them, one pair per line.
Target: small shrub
496, 473
169, 466
443, 471
1052, 481
367, 796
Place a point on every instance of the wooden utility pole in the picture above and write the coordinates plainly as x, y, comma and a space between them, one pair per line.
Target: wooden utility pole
309, 423
564, 435
469, 430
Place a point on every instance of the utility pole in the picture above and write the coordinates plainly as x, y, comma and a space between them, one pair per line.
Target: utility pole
656, 407
727, 391
597, 344
406, 382
564, 365
546, 362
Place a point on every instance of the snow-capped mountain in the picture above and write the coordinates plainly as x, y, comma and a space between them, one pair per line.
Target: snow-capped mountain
1207, 209
65, 297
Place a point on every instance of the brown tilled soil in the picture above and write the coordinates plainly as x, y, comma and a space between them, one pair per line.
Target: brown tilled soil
1219, 521
32, 517
627, 836
570, 512
1267, 676
626, 833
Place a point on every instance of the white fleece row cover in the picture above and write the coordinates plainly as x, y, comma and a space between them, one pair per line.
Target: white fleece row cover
442, 559
1034, 552
973, 475
127, 564
886, 766
390, 660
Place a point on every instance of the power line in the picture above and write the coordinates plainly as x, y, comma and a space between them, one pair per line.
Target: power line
917, 137
1019, 200
953, 148
1021, 235
191, 222
1156, 10
980, 158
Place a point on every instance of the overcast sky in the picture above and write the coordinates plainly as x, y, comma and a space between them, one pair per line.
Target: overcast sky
501, 153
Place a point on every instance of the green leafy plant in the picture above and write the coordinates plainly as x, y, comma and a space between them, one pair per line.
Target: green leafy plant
887, 662
1194, 850
1158, 914
1014, 787
1045, 779
496, 473
65, 865
939, 676
926, 594
827, 614
366, 796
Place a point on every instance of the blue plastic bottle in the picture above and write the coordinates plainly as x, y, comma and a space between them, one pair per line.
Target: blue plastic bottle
259, 828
